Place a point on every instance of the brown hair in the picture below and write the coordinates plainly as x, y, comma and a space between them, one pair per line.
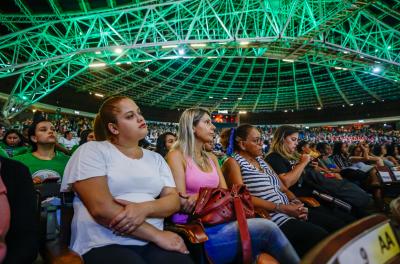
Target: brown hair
278, 145
107, 114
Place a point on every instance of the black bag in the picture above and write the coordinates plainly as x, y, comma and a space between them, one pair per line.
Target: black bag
342, 189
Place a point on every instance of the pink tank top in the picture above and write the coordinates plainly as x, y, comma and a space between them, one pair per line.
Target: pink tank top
196, 178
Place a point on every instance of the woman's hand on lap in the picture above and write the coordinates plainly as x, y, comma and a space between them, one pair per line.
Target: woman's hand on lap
170, 241
133, 215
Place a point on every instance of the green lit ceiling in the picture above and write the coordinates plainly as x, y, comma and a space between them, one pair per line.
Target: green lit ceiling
253, 55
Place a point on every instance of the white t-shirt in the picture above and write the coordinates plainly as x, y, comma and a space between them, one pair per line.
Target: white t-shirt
68, 143
135, 180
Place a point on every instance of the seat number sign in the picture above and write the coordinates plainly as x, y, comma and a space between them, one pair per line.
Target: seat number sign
377, 246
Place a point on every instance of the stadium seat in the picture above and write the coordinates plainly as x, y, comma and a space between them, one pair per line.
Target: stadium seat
369, 240
56, 251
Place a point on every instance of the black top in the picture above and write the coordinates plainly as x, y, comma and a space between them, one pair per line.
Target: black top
279, 163
22, 238
282, 165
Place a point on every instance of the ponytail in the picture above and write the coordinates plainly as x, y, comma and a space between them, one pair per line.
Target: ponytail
100, 131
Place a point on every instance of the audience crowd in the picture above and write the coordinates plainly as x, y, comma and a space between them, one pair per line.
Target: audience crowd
129, 175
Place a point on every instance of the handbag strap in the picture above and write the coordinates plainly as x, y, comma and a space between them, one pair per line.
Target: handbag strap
243, 229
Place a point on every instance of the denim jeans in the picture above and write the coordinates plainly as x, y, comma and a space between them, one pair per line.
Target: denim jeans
224, 245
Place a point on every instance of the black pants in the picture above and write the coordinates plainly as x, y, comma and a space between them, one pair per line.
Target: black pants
303, 235
120, 254
331, 219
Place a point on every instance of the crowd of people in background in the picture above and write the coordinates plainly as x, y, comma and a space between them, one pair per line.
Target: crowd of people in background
279, 165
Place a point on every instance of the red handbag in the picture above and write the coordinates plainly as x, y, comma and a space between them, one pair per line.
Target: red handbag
218, 205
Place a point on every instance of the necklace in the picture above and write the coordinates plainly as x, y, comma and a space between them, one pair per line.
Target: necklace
256, 166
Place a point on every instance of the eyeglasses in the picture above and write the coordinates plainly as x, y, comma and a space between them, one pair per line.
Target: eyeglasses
257, 141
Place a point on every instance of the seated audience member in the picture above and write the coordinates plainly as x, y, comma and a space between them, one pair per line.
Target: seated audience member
22, 238
354, 169
68, 141
380, 150
320, 163
356, 172
4, 220
123, 193
13, 144
247, 166
283, 160
193, 167
393, 151
165, 142
361, 152
86, 136
44, 163
313, 150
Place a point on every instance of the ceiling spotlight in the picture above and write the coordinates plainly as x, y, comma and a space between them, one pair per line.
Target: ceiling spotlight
34, 110
376, 69
242, 112
240, 98
244, 43
118, 50
351, 104
225, 98
98, 52
129, 62
169, 46
210, 97
118, 63
181, 51
319, 108
361, 121
362, 103
285, 111
288, 60
147, 69
198, 45
345, 52
97, 64
361, 57
99, 95
389, 47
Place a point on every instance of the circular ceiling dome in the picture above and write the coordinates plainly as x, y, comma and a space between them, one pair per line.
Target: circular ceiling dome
230, 55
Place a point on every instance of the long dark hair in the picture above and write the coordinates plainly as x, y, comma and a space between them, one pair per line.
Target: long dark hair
161, 140
84, 135
337, 148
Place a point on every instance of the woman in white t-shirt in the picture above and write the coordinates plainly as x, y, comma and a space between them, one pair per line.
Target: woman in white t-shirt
123, 193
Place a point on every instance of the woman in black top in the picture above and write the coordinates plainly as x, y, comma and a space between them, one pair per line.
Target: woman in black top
290, 169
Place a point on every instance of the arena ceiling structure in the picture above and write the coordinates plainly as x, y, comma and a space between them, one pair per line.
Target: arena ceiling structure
235, 55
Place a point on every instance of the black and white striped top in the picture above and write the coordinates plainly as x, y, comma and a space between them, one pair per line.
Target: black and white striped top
264, 185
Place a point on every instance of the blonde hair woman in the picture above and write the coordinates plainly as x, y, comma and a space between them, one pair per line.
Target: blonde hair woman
193, 167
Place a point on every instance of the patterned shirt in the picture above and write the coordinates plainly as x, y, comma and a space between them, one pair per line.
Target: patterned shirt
264, 185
